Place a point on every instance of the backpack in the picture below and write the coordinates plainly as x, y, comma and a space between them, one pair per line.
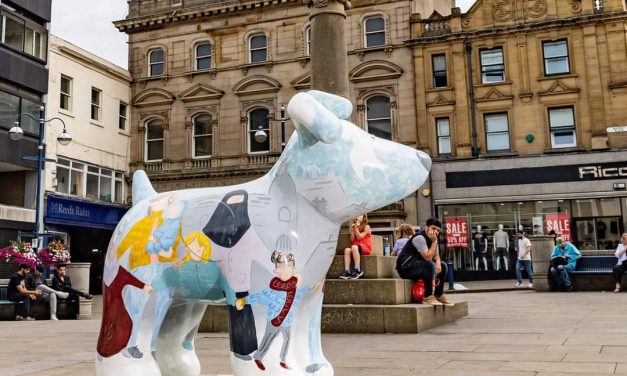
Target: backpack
418, 291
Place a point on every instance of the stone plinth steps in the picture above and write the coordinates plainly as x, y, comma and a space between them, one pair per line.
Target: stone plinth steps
379, 302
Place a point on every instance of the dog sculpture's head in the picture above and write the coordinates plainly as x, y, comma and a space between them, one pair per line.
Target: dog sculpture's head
339, 168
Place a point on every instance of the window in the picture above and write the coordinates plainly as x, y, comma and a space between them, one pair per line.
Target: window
11, 105
496, 132
308, 41
36, 43
258, 48
154, 140
15, 33
95, 104
562, 127
122, 116
203, 135
443, 129
378, 118
203, 56
374, 31
90, 181
439, 70
66, 93
492, 67
555, 58
258, 121
155, 62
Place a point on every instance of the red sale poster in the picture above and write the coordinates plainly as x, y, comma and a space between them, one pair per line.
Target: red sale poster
456, 232
560, 223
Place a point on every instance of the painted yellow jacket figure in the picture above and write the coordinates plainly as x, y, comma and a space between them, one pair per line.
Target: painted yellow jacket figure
137, 238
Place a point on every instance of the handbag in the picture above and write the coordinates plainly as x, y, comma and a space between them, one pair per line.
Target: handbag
555, 262
418, 291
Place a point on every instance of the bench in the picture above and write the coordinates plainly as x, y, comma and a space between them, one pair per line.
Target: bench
40, 310
594, 273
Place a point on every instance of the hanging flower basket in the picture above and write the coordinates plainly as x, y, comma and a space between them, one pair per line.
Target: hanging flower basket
19, 253
56, 253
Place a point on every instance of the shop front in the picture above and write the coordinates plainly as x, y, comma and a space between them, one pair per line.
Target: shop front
483, 202
87, 226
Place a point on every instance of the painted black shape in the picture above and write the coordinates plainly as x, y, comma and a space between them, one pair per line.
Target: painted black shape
242, 330
229, 222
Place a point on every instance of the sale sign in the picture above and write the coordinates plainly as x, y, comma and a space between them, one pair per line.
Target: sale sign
456, 232
560, 223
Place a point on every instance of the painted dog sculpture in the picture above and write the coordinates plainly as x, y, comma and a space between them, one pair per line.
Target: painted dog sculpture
263, 248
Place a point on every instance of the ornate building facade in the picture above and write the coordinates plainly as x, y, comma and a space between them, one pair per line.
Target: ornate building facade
522, 105
207, 75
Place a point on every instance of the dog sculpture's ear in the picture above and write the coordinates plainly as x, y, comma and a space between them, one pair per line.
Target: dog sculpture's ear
317, 116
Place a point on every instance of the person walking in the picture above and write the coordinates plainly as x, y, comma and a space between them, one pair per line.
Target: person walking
621, 266
524, 258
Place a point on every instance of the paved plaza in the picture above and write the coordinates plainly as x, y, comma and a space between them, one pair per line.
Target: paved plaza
505, 333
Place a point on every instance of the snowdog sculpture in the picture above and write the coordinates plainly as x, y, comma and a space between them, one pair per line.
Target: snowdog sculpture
263, 248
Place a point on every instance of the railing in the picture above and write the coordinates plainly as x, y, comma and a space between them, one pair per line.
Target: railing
138, 8
153, 166
201, 163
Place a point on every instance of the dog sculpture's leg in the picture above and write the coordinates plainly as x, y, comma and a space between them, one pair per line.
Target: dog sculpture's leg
176, 352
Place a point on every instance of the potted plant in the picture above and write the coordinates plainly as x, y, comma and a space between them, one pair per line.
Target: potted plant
19, 253
56, 253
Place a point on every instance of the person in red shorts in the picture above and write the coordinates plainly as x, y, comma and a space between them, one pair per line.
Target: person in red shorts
361, 244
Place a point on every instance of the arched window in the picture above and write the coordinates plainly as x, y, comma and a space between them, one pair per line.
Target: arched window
378, 118
203, 53
258, 48
308, 41
258, 121
156, 62
154, 140
203, 135
374, 31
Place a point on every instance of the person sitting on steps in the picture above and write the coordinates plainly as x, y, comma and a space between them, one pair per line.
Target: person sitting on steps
361, 244
420, 259
17, 292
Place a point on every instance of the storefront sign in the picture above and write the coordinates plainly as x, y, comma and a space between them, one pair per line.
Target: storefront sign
560, 223
537, 175
82, 213
456, 232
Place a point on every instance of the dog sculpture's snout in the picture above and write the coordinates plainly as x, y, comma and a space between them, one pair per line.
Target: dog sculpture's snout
424, 159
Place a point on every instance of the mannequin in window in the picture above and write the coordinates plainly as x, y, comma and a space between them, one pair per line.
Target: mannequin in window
501, 245
480, 247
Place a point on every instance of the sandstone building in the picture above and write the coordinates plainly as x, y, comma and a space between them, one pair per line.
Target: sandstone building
523, 105
208, 74
508, 86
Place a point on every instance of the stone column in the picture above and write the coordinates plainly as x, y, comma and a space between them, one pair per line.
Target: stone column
329, 65
541, 248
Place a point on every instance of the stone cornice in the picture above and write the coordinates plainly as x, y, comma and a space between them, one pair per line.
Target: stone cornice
506, 30
182, 15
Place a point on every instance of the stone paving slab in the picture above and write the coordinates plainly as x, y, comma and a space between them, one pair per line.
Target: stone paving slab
518, 333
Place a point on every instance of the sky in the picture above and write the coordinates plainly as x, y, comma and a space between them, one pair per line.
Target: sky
88, 24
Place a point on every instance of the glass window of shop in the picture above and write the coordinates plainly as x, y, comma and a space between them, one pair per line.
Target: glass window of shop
590, 224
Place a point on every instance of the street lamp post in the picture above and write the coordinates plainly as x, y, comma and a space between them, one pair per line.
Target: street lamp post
261, 135
64, 138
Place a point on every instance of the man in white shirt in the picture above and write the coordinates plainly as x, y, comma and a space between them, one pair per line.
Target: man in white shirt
524, 259
621, 266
